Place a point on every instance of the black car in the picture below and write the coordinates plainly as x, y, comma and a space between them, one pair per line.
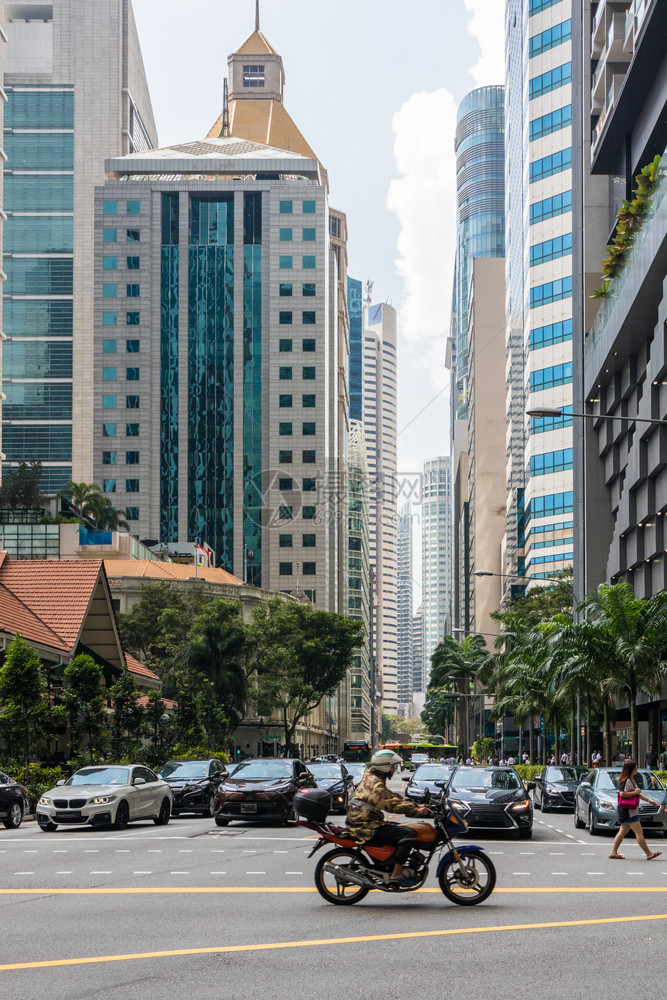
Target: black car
262, 789
13, 802
193, 784
335, 779
555, 787
492, 798
425, 777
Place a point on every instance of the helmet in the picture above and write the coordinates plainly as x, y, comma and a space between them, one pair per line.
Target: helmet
384, 760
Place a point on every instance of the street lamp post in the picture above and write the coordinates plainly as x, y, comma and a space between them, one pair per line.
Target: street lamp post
540, 412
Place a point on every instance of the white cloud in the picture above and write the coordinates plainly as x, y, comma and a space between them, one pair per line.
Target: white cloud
487, 26
423, 197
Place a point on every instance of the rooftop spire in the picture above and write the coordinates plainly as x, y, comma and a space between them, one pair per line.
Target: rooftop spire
256, 15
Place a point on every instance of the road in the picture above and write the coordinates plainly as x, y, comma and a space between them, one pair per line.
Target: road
193, 909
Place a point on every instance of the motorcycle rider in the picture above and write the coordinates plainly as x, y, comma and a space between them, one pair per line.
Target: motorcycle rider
365, 819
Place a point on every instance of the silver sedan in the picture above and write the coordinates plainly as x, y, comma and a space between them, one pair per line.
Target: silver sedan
595, 802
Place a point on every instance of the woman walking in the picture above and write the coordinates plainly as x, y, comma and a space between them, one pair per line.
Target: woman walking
628, 811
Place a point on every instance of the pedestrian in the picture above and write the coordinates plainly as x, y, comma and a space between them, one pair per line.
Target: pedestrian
441, 761
651, 759
628, 812
510, 761
563, 758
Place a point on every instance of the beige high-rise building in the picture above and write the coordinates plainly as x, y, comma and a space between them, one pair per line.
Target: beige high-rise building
379, 417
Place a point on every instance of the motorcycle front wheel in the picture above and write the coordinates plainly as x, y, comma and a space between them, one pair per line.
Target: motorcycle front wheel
469, 881
330, 877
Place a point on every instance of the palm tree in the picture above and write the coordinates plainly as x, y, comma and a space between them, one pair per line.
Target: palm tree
82, 496
453, 667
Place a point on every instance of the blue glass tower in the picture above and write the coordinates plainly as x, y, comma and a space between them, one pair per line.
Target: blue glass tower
480, 186
356, 376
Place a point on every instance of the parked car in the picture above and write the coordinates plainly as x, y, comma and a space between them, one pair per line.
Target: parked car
13, 802
492, 798
103, 795
193, 784
555, 787
262, 788
424, 778
357, 771
596, 800
335, 779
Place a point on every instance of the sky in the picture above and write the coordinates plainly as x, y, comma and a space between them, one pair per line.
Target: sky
373, 85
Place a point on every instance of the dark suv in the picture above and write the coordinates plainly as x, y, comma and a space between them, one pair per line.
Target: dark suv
262, 788
193, 784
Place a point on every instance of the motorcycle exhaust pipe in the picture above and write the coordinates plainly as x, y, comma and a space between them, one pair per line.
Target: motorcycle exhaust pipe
345, 876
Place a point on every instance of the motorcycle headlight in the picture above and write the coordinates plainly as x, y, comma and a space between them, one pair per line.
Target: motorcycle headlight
45, 801
101, 800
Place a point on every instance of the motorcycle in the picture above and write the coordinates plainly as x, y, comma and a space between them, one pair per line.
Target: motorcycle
346, 874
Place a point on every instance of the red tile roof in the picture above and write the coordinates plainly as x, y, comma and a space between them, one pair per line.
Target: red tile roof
15, 618
135, 667
168, 703
152, 569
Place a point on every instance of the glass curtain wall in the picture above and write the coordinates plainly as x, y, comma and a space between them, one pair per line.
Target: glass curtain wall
169, 287
252, 384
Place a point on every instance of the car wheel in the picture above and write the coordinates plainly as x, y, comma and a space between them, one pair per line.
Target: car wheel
162, 817
122, 816
48, 827
592, 828
221, 821
526, 834
536, 804
13, 821
208, 812
578, 823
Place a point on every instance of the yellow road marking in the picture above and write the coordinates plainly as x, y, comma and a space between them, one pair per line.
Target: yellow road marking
279, 945
268, 889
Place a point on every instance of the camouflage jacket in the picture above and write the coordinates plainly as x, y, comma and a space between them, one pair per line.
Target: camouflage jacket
371, 797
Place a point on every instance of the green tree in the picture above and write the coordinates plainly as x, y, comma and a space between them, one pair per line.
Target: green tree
128, 717
454, 666
484, 748
85, 704
301, 656
158, 624
391, 726
20, 488
543, 601
25, 715
82, 497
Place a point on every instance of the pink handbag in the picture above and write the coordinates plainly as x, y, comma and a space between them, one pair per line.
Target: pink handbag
628, 803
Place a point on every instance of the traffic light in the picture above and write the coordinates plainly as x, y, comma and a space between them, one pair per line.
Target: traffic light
238, 751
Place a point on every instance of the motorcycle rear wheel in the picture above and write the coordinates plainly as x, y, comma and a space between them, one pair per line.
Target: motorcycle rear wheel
331, 887
469, 882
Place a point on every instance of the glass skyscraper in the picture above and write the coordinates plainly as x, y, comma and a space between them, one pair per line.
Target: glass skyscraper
356, 376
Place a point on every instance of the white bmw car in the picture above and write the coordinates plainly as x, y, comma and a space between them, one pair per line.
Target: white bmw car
104, 795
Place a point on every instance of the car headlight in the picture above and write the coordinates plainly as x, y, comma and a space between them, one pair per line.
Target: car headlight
462, 807
606, 804
45, 801
524, 804
552, 791
101, 800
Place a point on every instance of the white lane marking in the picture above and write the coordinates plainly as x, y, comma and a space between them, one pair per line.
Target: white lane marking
635, 873
253, 852
496, 852
281, 852
91, 851
101, 873
154, 850
556, 854
217, 873
217, 852
560, 873
126, 851
524, 854
63, 873
24, 873
31, 852
559, 831
255, 873
294, 873
520, 873
588, 854
596, 873
142, 873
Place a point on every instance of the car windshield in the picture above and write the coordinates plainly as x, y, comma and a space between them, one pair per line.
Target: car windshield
325, 770
264, 769
100, 776
430, 772
562, 774
419, 758
191, 769
355, 769
471, 779
643, 780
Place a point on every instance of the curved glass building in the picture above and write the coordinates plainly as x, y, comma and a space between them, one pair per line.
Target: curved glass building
480, 188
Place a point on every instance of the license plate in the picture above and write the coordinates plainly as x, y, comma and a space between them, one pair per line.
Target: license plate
63, 817
248, 807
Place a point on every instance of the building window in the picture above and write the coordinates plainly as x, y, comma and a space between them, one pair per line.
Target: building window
286, 207
553, 122
550, 38
109, 291
542, 253
131, 402
109, 318
108, 430
285, 512
308, 400
308, 235
285, 235
285, 568
308, 372
549, 165
108, 346
285, 484
309, 569
110, 235
131, 513
548, 378
538, 425
552, 80
108, 458
552, 291
308, 485
308, 428
132, 374
108, 485
309, 207
308, 457
132, 430
133, 263
285, 318
308, 263
253, 75
133, 235
109, 402
110, 263
132, 319
285, 457
551, 461
309, 513
109, 374
131, 485
284, 401
285, 429
285, 289
309, 541
538, 5
285, 263
308, 289
549, 208
132, 458
132, 291
133, 207
132, 346
308, 317
285, 541
308, 344
553, 333
285, 346
110, 208
285, 373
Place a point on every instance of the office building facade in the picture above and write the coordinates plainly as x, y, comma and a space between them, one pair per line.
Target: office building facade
362, 681
436, 511
76, 94
404, 600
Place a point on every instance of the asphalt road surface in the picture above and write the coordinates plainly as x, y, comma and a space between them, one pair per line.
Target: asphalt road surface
195, 910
